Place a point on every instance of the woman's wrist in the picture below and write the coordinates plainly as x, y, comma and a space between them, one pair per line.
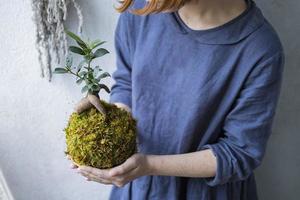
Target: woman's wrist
153, 163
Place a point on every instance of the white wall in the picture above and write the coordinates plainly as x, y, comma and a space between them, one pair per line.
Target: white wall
33, 111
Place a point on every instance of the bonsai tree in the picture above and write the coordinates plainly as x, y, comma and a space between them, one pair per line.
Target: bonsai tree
98, 134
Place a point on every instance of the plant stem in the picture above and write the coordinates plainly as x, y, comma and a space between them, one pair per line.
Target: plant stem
71, 72
88, 68
89, 64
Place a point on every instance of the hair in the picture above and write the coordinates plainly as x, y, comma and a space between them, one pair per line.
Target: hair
152, 6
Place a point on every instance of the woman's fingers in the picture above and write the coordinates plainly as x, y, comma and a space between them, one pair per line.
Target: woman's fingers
92, 177
73, 166
124, 168
87, 102
102, 181
83, 105
123, 106
94, 100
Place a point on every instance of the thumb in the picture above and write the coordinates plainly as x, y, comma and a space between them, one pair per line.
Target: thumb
83, 105
95, 100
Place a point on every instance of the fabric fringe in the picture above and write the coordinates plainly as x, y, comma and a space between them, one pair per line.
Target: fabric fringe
51, 43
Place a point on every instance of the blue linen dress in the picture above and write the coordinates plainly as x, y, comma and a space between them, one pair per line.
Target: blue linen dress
195, 89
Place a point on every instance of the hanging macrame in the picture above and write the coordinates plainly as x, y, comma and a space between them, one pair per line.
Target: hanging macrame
51, 43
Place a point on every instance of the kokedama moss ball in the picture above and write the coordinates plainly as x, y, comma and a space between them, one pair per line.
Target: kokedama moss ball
91, 140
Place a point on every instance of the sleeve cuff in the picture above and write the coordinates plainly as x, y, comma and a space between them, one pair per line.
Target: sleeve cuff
221, 167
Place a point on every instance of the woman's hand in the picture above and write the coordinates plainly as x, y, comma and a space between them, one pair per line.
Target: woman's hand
123, 106
89, 101
93, 100
135, 166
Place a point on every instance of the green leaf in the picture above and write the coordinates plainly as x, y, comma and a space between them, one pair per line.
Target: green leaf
103, 75
95, 81
76, 50
90, 74
79, 81
84, 89
104, 87
100, 52
80, 65
91, 44
69, 61
90, 85
87, 81
96, 43
95, 87
77, 39
96, 71
88, 41
88, 58
83, 73
60, 71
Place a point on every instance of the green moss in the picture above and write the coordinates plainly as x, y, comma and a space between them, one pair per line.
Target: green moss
100, 143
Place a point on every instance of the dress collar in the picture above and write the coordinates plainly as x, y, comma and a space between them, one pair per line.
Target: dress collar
229, 33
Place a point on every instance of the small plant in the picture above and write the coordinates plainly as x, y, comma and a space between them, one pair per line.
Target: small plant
101, 139
84, 72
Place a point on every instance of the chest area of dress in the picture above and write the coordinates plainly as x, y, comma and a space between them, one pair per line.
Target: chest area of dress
181, 65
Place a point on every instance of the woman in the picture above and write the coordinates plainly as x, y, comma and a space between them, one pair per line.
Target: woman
203, 79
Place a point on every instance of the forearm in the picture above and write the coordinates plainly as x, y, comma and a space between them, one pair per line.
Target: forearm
196, 164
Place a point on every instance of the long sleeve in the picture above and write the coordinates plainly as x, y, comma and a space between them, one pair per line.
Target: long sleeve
121, 89
248, 125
